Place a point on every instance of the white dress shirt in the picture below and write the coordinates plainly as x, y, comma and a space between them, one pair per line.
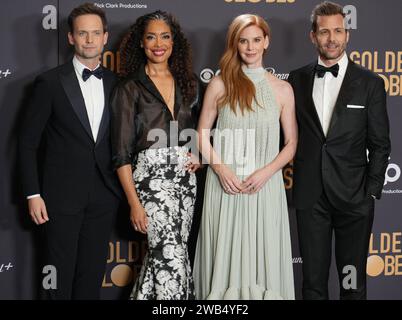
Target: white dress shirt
326, 91
92, 91
94, 98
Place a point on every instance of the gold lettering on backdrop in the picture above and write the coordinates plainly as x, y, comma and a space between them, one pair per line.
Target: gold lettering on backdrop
388, 242
106, 284
396, 242
118, 254
288, 175
387, 64
133, 252
393, 266
385, 243
371, 247
125, 260
398, 265
111, 60
384, 258
111, 253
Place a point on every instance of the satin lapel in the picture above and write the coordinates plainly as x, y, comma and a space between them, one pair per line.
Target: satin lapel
310, 106
178, 98
72, 88
107, 89
345, 94
148, 84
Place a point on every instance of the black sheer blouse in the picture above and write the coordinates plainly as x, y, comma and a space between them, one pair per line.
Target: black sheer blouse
137, 107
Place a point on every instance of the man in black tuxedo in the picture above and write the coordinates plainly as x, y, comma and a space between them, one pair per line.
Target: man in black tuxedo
78, 195
341, 158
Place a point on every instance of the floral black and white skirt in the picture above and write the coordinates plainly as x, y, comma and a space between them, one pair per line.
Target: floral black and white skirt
167, 192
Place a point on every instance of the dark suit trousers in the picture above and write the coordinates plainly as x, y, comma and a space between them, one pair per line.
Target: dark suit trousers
352, 235
77, 243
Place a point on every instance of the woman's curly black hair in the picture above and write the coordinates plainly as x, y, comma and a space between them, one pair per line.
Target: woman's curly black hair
132, 56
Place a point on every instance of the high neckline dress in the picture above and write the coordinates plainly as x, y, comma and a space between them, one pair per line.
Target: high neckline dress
244, 246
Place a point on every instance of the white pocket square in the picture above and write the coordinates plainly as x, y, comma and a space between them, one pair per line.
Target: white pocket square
354, 106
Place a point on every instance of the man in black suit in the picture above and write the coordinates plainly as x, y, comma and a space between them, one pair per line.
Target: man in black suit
78, 195
341, 158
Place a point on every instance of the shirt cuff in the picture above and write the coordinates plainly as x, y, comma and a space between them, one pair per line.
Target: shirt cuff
33, 196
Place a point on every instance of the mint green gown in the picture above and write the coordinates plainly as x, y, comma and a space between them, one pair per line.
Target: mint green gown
244, 248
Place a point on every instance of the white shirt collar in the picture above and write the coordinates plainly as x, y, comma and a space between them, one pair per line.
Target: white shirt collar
343, 63
79, 66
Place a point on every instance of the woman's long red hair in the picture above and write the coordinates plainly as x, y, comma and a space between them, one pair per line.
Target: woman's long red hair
239, 89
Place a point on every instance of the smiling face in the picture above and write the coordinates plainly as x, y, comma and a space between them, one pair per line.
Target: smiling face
88, 37
251, 46
330, 38
157, 41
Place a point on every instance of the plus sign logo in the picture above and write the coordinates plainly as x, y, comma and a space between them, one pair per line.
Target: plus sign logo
5, 267
4, 73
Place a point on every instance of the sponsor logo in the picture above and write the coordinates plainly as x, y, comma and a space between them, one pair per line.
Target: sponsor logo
4, 73
4, 267
392, 175
207, 74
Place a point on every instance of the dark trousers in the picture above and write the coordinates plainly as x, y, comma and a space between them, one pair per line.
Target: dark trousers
77, 244
352, 235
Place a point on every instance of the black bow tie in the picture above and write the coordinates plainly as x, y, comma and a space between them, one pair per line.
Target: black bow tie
86, 73
320, 70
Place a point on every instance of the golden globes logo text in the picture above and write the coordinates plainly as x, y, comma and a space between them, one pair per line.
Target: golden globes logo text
126, 260
111, 60
385, 254
388, 65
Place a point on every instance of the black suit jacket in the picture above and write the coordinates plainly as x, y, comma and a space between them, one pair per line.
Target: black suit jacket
338, 163
57, 113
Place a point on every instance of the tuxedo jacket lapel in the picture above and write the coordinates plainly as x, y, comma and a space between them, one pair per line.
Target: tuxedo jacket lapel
72, 88
309, 103
107, 89
345, 94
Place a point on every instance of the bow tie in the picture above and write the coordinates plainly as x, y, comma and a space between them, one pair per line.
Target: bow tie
320, 70
86, 73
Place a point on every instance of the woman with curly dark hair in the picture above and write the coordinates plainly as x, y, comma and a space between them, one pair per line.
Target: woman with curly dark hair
154, 104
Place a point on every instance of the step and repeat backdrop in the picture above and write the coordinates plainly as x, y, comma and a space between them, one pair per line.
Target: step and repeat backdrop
33, 37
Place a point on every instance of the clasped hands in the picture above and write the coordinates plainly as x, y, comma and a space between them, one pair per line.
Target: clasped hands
231, 184
138, 217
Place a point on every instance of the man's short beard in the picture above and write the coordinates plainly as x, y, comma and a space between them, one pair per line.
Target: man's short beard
323, 53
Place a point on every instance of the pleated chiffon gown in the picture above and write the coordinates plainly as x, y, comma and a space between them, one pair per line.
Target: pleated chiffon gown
244, 247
